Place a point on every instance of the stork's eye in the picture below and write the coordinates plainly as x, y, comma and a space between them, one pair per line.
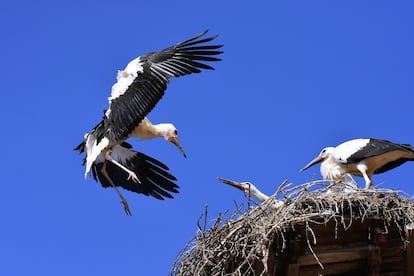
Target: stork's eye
175, 132
323, 152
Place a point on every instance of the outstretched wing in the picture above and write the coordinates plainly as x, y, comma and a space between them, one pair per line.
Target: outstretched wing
143, 82
155, 179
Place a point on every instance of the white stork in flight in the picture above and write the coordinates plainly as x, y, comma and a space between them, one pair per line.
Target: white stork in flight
250, 190
138, 89
362, 157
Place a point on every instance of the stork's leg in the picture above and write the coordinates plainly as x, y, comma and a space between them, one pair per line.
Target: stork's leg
363, 169
368, 181
131, 174
123, 200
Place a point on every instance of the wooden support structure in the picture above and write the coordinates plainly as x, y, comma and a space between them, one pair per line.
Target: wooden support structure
365, 248
295, 249
409, 236
375, 258
318, 233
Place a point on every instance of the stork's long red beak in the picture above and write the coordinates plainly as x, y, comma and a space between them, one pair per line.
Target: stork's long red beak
317, 160
175, 141
231, 183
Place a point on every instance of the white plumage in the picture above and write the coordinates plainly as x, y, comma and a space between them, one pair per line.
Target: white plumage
251, 190
125, 78
337, 175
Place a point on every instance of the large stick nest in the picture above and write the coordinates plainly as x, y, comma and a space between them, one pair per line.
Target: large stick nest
244, 238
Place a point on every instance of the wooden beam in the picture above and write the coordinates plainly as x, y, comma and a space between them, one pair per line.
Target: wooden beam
295, 251
409, 236
358, 267
335, 256
375, 259
293, 270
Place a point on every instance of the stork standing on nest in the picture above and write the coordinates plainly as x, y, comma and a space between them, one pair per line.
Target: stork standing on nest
251, 190
362, 157
138, 89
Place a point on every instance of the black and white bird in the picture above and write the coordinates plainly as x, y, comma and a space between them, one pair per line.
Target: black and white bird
361, 157
251, 190
138, 89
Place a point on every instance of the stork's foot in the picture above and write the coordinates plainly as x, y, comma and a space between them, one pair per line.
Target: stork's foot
369, 187
132, 176
123, 200
126, 207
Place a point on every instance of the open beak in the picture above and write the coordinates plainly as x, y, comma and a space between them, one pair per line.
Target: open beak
175, 141
317, 160
231, 183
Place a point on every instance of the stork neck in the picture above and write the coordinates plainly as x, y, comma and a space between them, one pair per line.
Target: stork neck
332, 170
145, 130
258, 194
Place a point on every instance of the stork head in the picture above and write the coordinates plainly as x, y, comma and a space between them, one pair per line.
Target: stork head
249, 190
170, 133
246, 187
324, 154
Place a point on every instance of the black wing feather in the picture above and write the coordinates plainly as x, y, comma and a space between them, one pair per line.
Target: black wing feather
392, 165
129, 109
155, 179
376, 147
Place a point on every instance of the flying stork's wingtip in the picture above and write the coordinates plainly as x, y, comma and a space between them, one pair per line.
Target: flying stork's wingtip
195, 38
205, 32
214, 37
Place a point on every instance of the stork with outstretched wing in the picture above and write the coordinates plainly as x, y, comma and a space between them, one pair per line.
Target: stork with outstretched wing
138, 89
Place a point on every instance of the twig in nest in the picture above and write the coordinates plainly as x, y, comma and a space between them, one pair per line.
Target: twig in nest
309, 229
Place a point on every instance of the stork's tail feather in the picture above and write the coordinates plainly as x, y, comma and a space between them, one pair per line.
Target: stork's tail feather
80, 147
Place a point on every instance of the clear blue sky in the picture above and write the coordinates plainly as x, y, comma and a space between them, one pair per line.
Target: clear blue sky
296, 76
